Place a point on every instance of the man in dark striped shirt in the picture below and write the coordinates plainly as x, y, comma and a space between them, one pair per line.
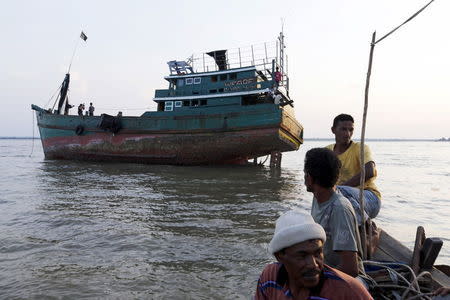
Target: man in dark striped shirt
300, 272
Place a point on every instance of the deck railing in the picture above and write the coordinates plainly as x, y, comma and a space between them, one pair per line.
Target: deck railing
259, 55
265, 57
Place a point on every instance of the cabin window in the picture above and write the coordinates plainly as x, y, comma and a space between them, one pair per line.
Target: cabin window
194, 93
194, 102
186, 103
168, 106
178, 103
212, 91
197, 80
233, 76
189, 81
221, 90
203, 102
223, 77
214, 78
180, 82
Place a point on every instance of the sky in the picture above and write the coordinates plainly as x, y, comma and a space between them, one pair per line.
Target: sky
328, 43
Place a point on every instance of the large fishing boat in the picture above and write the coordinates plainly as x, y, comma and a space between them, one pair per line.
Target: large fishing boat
223, 106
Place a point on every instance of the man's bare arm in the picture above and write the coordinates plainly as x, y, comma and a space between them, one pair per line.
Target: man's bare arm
370, 172
348, 262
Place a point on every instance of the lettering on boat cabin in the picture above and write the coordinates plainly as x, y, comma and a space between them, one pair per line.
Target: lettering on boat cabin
240, 85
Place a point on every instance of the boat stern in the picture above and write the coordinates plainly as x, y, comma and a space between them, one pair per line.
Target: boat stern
290, 129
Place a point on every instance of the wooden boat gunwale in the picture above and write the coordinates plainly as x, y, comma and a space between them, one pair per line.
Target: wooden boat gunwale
391, 250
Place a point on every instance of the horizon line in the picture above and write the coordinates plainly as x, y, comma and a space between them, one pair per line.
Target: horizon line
306, 139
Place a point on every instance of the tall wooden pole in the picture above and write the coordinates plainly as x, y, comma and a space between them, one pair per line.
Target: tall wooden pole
361, 156
363, 130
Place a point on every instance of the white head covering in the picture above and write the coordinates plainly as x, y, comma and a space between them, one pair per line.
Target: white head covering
295, 227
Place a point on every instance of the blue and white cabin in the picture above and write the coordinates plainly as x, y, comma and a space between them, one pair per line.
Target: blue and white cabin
237, 77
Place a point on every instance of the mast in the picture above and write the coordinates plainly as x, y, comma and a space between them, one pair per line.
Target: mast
65, 84
63, 93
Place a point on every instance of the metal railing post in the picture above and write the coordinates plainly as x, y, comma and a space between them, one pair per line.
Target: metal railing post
240, 62
204, 68
253, 57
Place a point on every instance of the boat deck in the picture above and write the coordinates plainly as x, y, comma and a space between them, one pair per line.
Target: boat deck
391, 250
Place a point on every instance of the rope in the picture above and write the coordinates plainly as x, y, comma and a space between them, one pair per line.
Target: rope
73, 54
409, 19
32, 143
54, 94
112, 108
56, 100
412, 286
425, 295
385, 265
415, 281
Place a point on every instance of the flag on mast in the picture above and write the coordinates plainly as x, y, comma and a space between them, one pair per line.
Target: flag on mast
83, 36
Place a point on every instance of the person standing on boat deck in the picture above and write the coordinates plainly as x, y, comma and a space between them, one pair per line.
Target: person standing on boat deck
80, 109
333, 212
66, 108
300, 272
348, 152
91, 109
277, 76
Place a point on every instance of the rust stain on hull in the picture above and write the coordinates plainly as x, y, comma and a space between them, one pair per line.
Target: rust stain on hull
178, 149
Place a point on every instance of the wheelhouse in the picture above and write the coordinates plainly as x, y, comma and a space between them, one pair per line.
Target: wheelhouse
243, 76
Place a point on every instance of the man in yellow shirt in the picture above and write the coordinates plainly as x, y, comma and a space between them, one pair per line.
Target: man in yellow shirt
348, 153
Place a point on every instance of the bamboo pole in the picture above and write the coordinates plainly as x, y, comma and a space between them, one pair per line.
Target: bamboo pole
363, 130
361, 156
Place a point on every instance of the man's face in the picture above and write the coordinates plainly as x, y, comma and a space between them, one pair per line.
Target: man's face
308, 181
303, 262
343, 132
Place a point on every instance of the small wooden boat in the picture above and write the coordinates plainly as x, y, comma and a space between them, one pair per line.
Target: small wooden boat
400, 273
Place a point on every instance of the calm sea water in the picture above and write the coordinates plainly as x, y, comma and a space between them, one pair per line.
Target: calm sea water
73, 230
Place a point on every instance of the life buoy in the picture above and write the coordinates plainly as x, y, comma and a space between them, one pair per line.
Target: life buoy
79, 130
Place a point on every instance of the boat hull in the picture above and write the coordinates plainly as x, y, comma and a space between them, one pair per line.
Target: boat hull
200, 148
232, 138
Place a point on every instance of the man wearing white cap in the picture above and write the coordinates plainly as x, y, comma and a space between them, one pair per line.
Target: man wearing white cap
300, 272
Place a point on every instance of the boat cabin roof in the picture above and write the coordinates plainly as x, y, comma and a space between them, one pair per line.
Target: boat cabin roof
170, 77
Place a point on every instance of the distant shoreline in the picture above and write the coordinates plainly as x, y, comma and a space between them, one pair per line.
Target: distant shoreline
376, 140
18, 138
306, 139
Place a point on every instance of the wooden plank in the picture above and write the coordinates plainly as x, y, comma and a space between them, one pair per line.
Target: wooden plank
439, 278
392, 249
420, 238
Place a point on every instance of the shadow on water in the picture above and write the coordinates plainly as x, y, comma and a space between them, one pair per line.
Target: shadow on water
183, 199
191, 231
